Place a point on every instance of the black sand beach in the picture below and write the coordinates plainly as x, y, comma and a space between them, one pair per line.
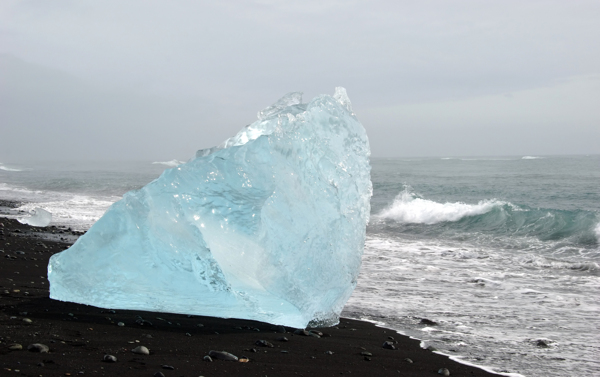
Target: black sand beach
78, 336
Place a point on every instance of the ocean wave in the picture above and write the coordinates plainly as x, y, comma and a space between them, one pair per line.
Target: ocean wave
20, 190
564, 231
531, 158
6, 168
408, 207
171, 163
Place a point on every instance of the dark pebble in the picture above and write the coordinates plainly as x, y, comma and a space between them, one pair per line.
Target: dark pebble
159, 374
222, 355
279, 329
141, 350
301, 332
15, 347
283, 339
428, 322
543, 343
263, 343
169, 367
389, 345
38, 347
207, 358
109, 359
143, 322
444, 372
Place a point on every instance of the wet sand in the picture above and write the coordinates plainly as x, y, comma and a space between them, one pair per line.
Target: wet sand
79, 336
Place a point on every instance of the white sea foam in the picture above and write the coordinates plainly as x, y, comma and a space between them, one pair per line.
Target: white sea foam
597, 231
487, 307
171, 163
478, 159
531, 158
6, 168
409, 208
532, 260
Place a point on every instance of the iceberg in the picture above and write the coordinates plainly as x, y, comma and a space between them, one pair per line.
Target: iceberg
38, 217
268, 226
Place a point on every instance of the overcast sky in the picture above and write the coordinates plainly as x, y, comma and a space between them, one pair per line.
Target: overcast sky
157, 80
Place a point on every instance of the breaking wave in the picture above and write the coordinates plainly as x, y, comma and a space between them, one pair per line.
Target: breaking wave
531, 158
171, 163
566, 228
6, 168
408, 207
18, 190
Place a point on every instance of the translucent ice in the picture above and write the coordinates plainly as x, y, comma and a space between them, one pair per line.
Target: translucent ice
38, 217
269, 226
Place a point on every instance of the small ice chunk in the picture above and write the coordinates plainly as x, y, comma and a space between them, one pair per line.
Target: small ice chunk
38, 217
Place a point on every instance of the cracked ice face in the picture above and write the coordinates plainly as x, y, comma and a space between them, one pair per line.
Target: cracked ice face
269, 226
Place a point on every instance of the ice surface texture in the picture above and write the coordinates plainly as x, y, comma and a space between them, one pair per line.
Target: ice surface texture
268, 226
38, 217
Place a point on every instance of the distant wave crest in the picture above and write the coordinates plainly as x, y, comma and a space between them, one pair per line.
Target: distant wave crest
6, 168
481, 159
409, 208
171, 163
531, 158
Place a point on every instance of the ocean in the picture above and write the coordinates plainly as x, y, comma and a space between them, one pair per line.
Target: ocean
494, 261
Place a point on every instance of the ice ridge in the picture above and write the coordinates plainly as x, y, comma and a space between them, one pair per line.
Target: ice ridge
269, 226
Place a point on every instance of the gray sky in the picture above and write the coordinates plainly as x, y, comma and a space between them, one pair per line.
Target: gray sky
157, 80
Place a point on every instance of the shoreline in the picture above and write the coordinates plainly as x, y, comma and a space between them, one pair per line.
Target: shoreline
78, 336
